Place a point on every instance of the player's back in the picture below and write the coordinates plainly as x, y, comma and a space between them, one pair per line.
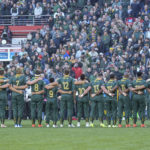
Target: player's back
67, 83
51, 93
18, 80
3, 91
96, 85
81, 88
123, 83
38, 86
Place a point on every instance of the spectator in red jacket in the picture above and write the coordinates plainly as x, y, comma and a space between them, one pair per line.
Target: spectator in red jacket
77, 70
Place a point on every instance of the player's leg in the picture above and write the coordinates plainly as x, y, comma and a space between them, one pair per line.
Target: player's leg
47, 113
14, 108
86, 112
142, 108
70, 110
92, 113
108, 115
79, 113
101, 112
55, 113
62, 111
20, 100
148, 106
127, 109
120, 109
114, 112
33, 111
2, 111
39, 113
135, 109
130, 106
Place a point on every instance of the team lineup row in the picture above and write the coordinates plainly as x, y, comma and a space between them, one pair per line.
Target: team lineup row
72, 91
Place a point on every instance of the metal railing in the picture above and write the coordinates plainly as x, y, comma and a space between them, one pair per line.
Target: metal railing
23, 20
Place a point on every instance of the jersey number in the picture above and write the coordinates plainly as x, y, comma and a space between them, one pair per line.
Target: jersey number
96, 88
109, 87
81, 91
123, 87
66, 85
36, 87
17, 82
51, 94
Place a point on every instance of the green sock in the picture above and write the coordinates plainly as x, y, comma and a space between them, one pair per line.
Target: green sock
79, 119
39, 121
19, 121
33, 121
15, 121
91, 120
120, 120
61, 121
142, 121
127, 121
101, 120
70, 120
87, 119
134, 121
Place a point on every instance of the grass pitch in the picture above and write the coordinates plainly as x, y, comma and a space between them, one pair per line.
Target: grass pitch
28, 138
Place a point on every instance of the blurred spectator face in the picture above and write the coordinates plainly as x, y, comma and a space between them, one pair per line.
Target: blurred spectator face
14, 5
37, 36
81, 48
146, 18
105, 33
57, 67
89, 70
37, 5
146, 7
35, 45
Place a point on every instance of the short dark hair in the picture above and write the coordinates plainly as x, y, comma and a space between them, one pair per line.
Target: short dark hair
112, 75
100, 74
51, 80
82, 77
139, 74
37, 72
66, 72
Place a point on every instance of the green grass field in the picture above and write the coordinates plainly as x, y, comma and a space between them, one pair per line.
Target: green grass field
96, 138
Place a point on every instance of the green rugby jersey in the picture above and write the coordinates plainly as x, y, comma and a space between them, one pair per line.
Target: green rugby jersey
137, 83
96, 86
81, 88
3, 91
123, 83
67, 83
110, 85
39, 86
51, 93
18, 80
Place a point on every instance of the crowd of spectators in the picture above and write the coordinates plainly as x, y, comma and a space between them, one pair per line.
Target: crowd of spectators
85, 36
